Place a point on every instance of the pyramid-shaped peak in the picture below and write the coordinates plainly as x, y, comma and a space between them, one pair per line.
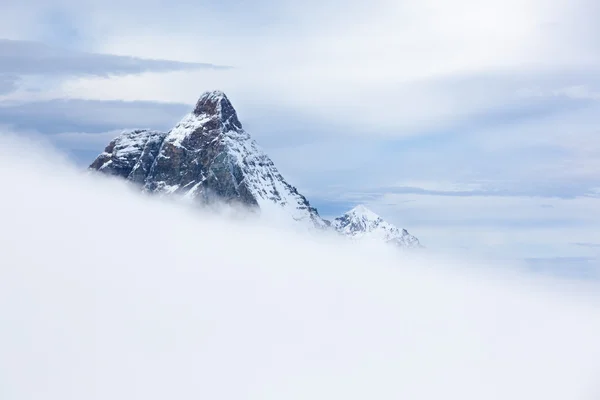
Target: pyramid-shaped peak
216, 103
210, 102
213, 95
362, 211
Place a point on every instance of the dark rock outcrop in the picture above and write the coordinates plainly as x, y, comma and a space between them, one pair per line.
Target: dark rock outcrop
130, 155
207, 156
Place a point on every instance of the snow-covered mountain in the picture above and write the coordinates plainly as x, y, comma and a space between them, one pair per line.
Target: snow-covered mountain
130, 155
208, 156
362, 223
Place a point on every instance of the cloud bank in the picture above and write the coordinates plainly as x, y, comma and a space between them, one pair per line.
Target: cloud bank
107, 294
21, 59
77, 115
32, 58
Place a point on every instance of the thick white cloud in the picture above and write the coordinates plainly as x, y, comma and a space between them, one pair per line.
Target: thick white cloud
104, 294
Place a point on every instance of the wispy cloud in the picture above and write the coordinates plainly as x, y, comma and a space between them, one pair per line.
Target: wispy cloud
78, 115
590, 245
19, 57
8, 83
574, 267
581, 92
515, 227
23, 58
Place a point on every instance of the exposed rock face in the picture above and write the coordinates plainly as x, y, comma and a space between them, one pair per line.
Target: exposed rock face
130, 155
207, 156
362, 223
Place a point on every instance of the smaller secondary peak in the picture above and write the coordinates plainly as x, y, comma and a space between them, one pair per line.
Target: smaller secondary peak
216, 103
362, 211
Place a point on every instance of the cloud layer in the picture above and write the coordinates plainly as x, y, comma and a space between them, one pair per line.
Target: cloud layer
106, 294
33, 58
22, 59
91, 116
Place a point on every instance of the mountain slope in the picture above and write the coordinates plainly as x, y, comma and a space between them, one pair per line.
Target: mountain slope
209, 157
130, 155
362, 223
206, 157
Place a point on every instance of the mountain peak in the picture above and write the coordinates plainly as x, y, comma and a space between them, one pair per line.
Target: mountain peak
363, 212
216, 103
213, 95
206, 157
360, 222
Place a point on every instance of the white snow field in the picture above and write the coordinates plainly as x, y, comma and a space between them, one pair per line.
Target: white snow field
108, 294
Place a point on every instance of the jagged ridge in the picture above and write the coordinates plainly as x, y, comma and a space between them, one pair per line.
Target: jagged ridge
208, 156
130, 155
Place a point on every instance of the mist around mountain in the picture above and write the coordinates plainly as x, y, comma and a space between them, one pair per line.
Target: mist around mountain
112, 294
209, 158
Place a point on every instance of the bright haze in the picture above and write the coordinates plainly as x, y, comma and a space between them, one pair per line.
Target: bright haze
472, 124
108, 294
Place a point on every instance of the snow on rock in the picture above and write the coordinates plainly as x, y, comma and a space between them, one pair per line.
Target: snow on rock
208, 156
362, 223
130, 155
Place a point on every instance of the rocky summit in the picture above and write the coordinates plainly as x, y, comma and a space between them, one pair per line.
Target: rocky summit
209, 157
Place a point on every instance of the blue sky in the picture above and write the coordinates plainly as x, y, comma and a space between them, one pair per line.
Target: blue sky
473, 124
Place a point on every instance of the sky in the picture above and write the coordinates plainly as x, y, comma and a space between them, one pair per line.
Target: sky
470, 123
110, 294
